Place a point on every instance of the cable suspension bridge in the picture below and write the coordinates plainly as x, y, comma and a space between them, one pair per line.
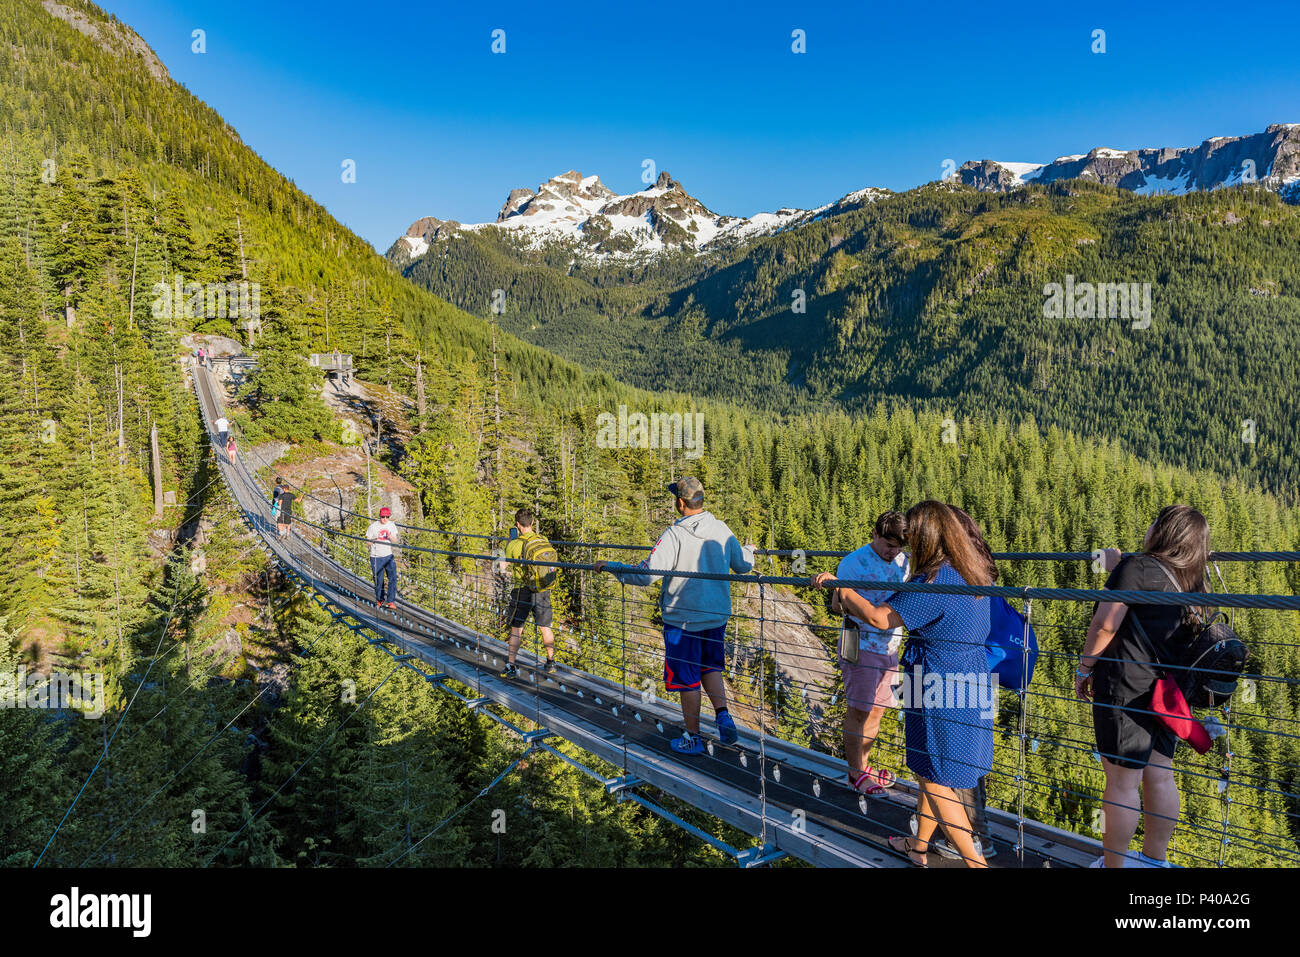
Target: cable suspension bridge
792, 799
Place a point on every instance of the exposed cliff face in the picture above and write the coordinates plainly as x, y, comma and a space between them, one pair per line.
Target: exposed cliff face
115, 37
1270, 158
570, 196
421, 233
988, 176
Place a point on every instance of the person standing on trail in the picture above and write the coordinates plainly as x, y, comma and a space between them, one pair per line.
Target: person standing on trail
382, 535
223, 430
869, 656
694, 610
285, 514
532, 590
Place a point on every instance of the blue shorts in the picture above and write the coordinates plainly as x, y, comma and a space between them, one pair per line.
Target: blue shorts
690, 654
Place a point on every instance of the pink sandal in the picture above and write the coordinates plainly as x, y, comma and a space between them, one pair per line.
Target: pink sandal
872, 780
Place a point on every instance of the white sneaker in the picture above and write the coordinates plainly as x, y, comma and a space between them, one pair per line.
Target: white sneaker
1144, 861
945, 849
1129, 861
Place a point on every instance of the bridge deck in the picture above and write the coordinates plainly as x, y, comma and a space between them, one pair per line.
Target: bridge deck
611, 721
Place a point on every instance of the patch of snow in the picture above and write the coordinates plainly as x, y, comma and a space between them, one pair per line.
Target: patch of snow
762, 224
1171, 186
1109, 153
416, 246
1023, 172
869, 192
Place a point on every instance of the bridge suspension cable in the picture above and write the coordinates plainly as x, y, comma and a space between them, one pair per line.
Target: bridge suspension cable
1045, 757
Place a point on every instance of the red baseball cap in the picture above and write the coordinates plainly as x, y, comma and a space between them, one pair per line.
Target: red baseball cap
385, 512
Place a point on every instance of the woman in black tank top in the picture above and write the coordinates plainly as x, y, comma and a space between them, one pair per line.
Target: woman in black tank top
1117, 674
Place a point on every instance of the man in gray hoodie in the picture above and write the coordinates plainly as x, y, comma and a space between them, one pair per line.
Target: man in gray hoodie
694, 610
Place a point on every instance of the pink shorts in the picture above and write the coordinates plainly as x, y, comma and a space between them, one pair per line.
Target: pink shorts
871, 682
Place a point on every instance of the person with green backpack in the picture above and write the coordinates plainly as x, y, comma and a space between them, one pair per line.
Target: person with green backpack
532, 589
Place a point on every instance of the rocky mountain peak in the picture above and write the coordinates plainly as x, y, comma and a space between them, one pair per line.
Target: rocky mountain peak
115, 37
1270, 158
587, 215
514, 202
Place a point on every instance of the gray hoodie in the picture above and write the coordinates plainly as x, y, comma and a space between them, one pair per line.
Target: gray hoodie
693, 543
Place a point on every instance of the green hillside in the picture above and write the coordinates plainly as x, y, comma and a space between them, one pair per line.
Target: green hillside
232, 669
935, 299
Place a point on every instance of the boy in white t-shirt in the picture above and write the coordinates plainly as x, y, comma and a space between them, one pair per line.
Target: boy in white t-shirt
870, 681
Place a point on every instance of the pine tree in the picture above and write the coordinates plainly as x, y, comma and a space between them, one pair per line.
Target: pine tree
34, 786
283, 390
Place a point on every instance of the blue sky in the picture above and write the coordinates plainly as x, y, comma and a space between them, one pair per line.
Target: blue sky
439, 125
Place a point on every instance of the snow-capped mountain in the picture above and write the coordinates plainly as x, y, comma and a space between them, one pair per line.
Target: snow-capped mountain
584, 212
1271, 158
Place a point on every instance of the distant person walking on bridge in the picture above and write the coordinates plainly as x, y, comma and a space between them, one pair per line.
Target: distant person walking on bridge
869, 656
223, 430
531, 593
949, 746
1117, 673
694, 610
285, 514
382, 535
231, 451
275, 496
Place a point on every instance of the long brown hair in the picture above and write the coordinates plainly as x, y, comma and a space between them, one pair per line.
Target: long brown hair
1180, 540
937, 536
972, 530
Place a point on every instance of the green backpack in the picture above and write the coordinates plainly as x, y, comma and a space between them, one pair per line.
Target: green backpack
538, 549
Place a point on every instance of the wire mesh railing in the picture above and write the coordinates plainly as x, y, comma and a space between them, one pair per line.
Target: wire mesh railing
794, 689
1239, 803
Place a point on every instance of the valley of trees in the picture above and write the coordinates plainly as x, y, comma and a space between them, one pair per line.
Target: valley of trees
234, 680
933, 299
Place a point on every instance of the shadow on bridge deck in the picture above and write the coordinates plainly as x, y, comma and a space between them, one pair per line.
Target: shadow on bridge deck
794, 799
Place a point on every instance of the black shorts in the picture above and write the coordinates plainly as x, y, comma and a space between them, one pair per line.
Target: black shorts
524, 601
1127, 733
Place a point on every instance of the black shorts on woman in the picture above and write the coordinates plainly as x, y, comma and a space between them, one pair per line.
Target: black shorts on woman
1125, 677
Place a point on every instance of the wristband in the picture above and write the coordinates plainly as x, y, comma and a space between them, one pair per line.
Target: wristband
1080, 673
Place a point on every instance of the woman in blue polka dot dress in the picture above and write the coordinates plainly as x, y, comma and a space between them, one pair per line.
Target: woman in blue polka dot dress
943, 665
